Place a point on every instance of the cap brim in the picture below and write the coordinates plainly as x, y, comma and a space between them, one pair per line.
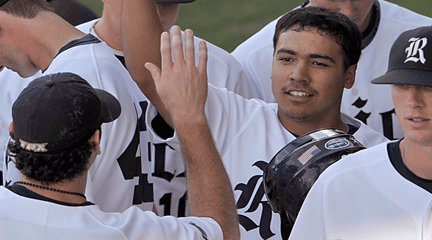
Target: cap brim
111, 108
406, 76
174, 1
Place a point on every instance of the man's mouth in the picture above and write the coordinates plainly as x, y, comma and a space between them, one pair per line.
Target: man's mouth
298, 94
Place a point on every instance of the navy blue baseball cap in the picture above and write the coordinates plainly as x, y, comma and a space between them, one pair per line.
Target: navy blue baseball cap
410, 60
59, 111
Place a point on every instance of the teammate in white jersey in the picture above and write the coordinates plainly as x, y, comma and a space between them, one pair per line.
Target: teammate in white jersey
381, 23
56, 126
47, 42
384, 192
224, 71
308, 80
72, 11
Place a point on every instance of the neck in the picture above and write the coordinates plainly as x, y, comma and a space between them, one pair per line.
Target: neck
417, 158
303, 126
46, 35
109, 31
65, 191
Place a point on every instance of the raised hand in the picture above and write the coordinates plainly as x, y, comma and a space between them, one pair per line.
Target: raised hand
181, 85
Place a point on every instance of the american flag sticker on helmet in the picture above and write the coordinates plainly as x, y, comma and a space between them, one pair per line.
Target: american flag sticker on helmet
312, 151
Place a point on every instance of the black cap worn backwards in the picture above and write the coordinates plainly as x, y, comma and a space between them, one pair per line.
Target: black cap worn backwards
410, 59
59, 111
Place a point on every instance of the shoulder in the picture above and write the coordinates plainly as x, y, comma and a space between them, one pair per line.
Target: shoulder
358, 163
367, 136
393, 13
257, 43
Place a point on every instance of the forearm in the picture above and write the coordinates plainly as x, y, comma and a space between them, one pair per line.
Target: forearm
141, 30
209, 189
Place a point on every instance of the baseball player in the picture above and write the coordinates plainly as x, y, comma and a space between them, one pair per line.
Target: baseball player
223, 71
72, 11
57, 140
384, 192
117, 178
308, 81
381, 23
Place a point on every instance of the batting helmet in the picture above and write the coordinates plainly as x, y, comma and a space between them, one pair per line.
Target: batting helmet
295, 168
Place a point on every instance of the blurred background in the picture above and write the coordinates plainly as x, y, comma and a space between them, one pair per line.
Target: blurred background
227, 23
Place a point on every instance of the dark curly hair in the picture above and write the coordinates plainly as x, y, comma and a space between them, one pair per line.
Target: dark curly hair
50, 168
327, 22
26, 8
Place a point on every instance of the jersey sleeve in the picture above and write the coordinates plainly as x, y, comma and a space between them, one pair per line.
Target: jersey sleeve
147, 225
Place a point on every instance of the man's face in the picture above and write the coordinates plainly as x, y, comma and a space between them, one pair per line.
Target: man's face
413, 106
308, 75
359, 11
168, 13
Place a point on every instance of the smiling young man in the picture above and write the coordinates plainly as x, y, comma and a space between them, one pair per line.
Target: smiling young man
380, 23
224, 71
384, 192
308, 76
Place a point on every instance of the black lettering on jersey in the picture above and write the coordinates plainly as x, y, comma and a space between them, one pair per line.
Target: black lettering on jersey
182, 206
8, 159
159, 171
387, 118
166, 201
130, 163
247, 197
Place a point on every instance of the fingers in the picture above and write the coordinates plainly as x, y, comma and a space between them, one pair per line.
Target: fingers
165, 49
154, 71
177, 45
190, 48
202, 62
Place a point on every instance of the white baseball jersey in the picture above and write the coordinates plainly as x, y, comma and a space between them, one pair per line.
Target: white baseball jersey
370, 103
370, 194
248, 134
34, 217
118, 178
11, 87
223, 71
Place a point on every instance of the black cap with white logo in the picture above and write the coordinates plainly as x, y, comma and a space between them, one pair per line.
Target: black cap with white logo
410, 59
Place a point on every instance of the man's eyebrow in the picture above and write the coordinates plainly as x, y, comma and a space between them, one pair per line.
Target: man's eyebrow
323, 57
283, 50
313, 55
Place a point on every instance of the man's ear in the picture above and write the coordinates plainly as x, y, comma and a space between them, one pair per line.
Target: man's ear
11, 131
350, 76
95, 139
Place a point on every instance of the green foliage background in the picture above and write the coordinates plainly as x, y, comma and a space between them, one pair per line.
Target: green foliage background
227, 23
